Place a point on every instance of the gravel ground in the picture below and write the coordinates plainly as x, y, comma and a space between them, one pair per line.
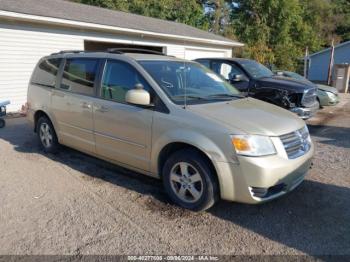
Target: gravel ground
71, 203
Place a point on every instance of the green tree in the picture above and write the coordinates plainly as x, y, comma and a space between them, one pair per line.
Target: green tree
341, 8
275, 31
189, 12
320, 15
121, 5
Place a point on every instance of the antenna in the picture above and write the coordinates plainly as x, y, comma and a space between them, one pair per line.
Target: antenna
185, 80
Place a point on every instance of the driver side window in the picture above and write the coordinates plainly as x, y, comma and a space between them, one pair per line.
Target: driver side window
118, 78
226, 70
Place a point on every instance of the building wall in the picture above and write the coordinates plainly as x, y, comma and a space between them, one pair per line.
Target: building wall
22, 45
319, 63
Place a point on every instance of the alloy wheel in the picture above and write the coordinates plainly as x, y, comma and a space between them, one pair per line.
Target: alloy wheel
46, 135
186, 182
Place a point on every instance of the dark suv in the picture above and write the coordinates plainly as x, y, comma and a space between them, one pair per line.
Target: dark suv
255, 80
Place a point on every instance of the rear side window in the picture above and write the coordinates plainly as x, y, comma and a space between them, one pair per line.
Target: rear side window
46, 72
79, 75
118, 78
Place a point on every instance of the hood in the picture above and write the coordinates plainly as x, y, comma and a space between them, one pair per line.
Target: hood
328, 88
291, 84
251, 116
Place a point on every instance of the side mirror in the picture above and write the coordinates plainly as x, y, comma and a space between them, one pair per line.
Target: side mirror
237, 78
138, 96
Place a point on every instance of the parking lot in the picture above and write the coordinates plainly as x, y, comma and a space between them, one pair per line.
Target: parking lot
71, 203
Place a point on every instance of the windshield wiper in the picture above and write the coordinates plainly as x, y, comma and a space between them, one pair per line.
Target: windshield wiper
262, 77
190, 97
225, 96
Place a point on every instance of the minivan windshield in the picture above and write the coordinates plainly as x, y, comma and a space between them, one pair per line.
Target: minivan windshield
255, 69
191, 80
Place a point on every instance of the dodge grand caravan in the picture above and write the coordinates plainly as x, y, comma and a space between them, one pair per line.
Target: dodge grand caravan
171, 119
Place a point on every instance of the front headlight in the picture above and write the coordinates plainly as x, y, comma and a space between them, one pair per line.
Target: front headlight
251, 145
331, 96
305, 134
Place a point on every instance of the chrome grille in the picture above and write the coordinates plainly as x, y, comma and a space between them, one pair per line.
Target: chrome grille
296, 143
309, 98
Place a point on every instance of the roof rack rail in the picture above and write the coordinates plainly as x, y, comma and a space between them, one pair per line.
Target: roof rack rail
68, 52
113, 50
133, 50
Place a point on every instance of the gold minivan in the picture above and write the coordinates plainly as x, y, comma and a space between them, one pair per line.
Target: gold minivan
172, 119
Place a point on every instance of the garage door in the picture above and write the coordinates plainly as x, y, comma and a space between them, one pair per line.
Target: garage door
191, 54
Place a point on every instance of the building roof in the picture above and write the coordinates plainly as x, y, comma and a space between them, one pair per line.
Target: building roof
329, 48
62, 9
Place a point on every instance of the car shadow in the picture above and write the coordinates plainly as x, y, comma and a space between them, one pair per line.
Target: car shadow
331, 135
19, 134
314, 218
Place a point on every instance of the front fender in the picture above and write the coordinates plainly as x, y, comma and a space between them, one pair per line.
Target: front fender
276, 96
201, 142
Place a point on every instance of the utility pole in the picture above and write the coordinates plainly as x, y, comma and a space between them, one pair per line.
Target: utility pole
331, 63
306, 62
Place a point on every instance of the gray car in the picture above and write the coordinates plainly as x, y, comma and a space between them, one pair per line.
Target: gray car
326, 95
171, 119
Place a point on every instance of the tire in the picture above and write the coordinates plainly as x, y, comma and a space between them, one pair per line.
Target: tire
189, 181
319, 104
2, 123
47, 136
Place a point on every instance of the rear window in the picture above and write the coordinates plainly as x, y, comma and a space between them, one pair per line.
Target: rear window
79, 75
46, 72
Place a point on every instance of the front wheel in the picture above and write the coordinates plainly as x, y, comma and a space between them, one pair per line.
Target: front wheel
189, 181
2, 123
47, 135
318, 104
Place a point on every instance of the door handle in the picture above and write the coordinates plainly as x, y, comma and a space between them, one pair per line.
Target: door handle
102, 109
65, 87
58, 94
85, 105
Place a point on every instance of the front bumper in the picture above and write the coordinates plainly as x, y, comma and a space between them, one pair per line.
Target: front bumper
305, 112
30, 118
259, 179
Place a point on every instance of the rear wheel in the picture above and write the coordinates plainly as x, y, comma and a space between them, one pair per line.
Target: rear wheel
2, 123
189, 180
47, 135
